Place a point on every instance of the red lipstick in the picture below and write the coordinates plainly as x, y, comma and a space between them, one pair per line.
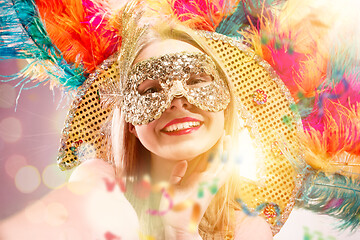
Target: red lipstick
182, 131
181, 120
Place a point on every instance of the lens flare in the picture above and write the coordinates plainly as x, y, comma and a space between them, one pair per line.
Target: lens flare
27, 179
53, 177
10, 129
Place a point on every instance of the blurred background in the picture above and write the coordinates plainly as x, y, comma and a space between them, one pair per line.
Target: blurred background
29, 141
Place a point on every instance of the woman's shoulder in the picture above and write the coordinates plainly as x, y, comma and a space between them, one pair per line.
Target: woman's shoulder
249, 227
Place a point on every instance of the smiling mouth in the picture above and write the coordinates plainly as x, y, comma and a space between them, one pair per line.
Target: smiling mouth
181, 126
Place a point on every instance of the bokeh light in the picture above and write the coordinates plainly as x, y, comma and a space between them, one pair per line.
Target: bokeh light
53, 177
56, 214
7, 96
33, 97
14, 163
79, 188
10, 129
27, 179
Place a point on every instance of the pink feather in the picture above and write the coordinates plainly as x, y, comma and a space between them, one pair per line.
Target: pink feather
337, 116
202, 14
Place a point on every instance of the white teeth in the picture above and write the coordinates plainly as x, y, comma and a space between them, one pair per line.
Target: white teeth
181, 126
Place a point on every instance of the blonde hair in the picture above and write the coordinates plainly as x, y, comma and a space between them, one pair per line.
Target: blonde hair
219, 216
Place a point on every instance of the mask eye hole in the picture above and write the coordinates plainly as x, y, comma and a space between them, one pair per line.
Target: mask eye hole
149, 86
199, 80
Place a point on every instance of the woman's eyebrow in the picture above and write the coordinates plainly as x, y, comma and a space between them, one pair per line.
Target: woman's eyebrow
149, 81
201, 75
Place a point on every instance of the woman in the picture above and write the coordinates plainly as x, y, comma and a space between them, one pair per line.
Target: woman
180, 141
260, 107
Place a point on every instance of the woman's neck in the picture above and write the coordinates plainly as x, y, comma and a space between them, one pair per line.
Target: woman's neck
161, 169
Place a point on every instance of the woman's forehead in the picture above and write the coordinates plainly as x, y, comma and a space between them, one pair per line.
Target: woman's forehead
167, 46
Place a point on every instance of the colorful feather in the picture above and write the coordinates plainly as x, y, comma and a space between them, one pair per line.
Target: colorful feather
81, 29
336, 115
247, 12
23, 36
280, 41
335, 195
201, 14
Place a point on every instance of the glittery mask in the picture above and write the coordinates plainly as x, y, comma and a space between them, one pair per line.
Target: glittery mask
153, 84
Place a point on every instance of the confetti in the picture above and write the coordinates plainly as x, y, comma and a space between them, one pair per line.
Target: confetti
163, 212
143, 188
195, 217
111, 236
146, 237
287, 120
110, 185
316, 235
195, 214
213, 188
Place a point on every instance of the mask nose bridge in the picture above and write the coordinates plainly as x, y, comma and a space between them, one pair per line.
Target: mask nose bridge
177, 90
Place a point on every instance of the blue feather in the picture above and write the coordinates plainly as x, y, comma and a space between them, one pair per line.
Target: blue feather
23, 36
332, 194
230, 25
246, 12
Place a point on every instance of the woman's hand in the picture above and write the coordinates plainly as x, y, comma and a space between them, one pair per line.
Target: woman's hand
90, 206
190, 198
107, 211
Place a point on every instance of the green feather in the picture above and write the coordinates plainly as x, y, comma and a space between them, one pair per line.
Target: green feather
332, 194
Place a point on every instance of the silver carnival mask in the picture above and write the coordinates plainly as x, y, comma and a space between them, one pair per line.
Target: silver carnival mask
154, 83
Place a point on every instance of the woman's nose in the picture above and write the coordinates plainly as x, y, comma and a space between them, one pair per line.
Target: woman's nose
178, 103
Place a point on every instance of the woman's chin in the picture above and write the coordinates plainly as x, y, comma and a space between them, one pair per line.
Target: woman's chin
183, 151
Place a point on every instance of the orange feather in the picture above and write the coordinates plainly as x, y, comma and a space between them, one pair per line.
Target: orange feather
80, 30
